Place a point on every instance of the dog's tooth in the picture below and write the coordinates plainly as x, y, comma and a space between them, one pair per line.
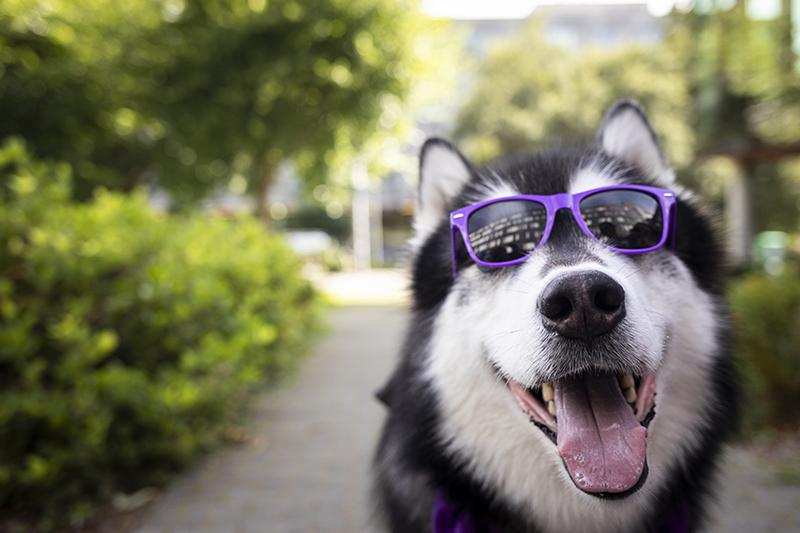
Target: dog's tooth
630, 394
551, 407
547, 392
626, 381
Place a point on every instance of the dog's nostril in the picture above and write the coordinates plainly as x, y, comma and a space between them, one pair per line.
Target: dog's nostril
609, 298
556, 307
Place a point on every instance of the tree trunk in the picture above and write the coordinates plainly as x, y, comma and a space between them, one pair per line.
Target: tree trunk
739, 215
362, 243
265, 181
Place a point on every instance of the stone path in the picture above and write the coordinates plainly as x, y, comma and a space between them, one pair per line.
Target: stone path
307, 467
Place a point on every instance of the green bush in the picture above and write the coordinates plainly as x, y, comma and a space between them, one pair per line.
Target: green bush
128, 338
766, 312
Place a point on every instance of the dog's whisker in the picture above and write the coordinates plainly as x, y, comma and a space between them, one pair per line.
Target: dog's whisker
509, 289
503, 333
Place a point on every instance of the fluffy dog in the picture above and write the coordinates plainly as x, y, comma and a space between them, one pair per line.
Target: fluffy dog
567, 366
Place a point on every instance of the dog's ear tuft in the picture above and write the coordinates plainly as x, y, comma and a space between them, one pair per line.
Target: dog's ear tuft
443, 171
626, 134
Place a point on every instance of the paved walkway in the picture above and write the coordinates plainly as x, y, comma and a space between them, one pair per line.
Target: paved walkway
307, 468
309, 472
754, 500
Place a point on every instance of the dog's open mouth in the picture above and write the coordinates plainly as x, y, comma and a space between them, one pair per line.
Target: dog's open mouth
599, 423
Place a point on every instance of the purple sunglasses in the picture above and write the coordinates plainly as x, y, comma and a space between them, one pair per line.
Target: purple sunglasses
628, 219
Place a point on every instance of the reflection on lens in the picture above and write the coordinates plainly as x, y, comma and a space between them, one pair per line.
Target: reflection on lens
629, 220
505, 231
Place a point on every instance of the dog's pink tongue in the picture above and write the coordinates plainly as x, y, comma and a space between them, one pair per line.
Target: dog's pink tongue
599, 438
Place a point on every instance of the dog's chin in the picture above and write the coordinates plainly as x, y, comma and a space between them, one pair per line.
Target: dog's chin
598, 422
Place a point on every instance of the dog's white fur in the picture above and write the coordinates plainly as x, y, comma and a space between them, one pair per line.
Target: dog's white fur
488, 319
443, 175
627, 136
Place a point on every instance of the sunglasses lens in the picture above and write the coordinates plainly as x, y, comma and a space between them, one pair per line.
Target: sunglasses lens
506, 230
624, 219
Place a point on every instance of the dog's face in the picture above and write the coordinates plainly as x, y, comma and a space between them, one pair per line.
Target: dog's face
573, 383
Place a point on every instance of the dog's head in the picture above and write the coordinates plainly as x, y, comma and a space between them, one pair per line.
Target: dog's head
574, 383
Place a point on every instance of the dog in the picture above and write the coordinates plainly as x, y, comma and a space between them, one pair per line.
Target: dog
566, 366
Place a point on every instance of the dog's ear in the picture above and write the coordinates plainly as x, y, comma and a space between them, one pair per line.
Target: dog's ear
443, 171
626, 134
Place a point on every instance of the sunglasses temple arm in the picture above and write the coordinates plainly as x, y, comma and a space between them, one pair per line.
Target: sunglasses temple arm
453, 243
673, 225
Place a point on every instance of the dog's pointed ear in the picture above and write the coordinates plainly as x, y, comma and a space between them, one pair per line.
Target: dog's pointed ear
443, 171
626, 134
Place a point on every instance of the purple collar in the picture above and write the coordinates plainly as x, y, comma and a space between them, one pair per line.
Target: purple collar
450, 518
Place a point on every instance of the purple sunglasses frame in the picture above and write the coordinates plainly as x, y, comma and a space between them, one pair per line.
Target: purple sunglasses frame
553, 203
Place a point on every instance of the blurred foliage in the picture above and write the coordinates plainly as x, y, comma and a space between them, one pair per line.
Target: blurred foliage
745, 82
128, 338
744, 74
193, 95
335, 259
549, 94
58, 94
766, 313
730, 78
777, 190
314, 216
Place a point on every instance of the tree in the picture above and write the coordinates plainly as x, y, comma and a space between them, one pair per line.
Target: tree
745, 81
56, 93
277, 81
202, 92
529, 94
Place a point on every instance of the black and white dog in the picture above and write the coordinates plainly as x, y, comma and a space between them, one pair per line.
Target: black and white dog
567, 367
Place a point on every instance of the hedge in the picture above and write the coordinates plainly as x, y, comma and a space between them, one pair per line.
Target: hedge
766, 313
128, 338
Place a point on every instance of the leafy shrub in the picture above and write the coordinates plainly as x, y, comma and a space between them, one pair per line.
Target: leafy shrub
128, 338
766, 312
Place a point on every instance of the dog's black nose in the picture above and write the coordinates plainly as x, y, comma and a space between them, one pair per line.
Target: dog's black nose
582, 305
